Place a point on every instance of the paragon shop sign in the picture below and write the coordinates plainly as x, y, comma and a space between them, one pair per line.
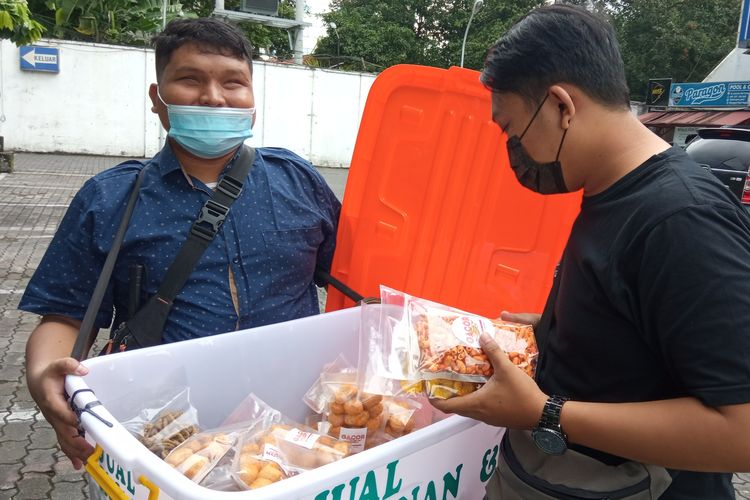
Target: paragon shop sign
710, 94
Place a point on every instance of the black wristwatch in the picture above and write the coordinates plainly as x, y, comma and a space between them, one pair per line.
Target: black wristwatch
548, 434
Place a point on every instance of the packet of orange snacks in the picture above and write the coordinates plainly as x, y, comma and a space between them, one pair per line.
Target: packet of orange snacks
445, 358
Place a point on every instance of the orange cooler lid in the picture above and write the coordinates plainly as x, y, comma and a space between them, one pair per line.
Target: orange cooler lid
432, 207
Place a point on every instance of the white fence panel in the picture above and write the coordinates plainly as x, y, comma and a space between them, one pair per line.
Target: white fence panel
98, 104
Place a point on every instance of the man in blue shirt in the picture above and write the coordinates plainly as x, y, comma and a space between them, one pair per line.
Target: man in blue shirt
258, 270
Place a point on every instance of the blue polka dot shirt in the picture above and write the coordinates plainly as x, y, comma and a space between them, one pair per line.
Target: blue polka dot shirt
281, 227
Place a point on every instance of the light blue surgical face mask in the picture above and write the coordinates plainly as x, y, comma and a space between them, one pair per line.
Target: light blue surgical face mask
209, 132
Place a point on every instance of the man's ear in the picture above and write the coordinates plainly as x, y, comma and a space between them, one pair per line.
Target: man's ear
153, 94
565, 104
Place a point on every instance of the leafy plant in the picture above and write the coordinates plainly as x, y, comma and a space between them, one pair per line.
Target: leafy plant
16, 23
682, 39
429, 32
130, 22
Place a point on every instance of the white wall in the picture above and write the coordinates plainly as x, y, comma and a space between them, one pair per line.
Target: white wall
98, 104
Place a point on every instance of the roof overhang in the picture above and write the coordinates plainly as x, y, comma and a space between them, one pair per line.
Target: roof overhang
694, 118
275, 22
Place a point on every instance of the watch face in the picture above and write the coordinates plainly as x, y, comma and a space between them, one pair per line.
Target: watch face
549, 441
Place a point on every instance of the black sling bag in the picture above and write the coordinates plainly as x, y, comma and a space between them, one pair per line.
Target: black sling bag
145, 328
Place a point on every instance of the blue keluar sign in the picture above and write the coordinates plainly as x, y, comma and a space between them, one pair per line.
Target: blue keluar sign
35, 58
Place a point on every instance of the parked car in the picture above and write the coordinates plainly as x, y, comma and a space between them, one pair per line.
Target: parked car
726, 153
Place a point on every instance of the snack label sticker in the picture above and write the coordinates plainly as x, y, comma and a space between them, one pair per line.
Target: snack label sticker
270, 452
302, 438
273, 454
355, 437
468, 329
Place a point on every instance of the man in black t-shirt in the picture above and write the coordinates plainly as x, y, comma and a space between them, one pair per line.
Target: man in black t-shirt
645, 341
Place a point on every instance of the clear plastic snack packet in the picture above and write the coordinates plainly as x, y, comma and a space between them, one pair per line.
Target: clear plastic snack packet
277, 448
423, 347
347, 414
165, 422
258, 462
354, 417
250, 416
386, 357
333, 374
198, 455
220, 478
402, 413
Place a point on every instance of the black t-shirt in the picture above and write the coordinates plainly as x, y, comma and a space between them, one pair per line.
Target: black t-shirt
654, 300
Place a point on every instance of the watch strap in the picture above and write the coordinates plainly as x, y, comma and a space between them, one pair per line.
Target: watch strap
551, 414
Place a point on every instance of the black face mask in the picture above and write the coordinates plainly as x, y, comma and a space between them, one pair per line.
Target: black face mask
543, 178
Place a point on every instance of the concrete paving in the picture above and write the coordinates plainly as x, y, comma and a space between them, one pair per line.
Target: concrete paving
33, 199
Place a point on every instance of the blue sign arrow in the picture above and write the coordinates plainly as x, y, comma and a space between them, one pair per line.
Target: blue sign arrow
35, 58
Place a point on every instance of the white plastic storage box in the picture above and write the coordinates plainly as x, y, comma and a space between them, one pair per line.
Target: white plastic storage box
451, 458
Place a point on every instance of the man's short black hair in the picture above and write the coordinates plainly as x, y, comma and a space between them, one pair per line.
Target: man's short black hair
210, 34
558, 44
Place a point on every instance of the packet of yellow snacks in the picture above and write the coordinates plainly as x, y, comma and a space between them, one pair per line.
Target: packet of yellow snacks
415, 346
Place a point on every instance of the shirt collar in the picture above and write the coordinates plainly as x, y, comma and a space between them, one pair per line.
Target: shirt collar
167, 162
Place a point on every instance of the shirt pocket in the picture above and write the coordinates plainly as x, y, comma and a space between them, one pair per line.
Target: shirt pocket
290, 259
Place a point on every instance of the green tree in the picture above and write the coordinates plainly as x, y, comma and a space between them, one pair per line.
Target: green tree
204, 8
133, 22
373, 34
16, 23
130, 22
683, 39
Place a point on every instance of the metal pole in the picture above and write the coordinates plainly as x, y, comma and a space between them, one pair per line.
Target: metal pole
338, 38
162, 139
299, 16
474, 8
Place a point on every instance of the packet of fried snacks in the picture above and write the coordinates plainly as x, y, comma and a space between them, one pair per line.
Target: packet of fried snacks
281, 449
249, 417
347, 414
402, 416
165, 422
364, 420
416, 346
198, 455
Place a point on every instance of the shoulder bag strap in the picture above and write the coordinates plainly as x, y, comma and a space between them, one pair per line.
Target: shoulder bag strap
87, 333
146, 327
206, 227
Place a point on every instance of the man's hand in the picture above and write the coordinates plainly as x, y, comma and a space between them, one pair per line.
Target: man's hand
47, 364
509, 399
48, 390
523, 318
